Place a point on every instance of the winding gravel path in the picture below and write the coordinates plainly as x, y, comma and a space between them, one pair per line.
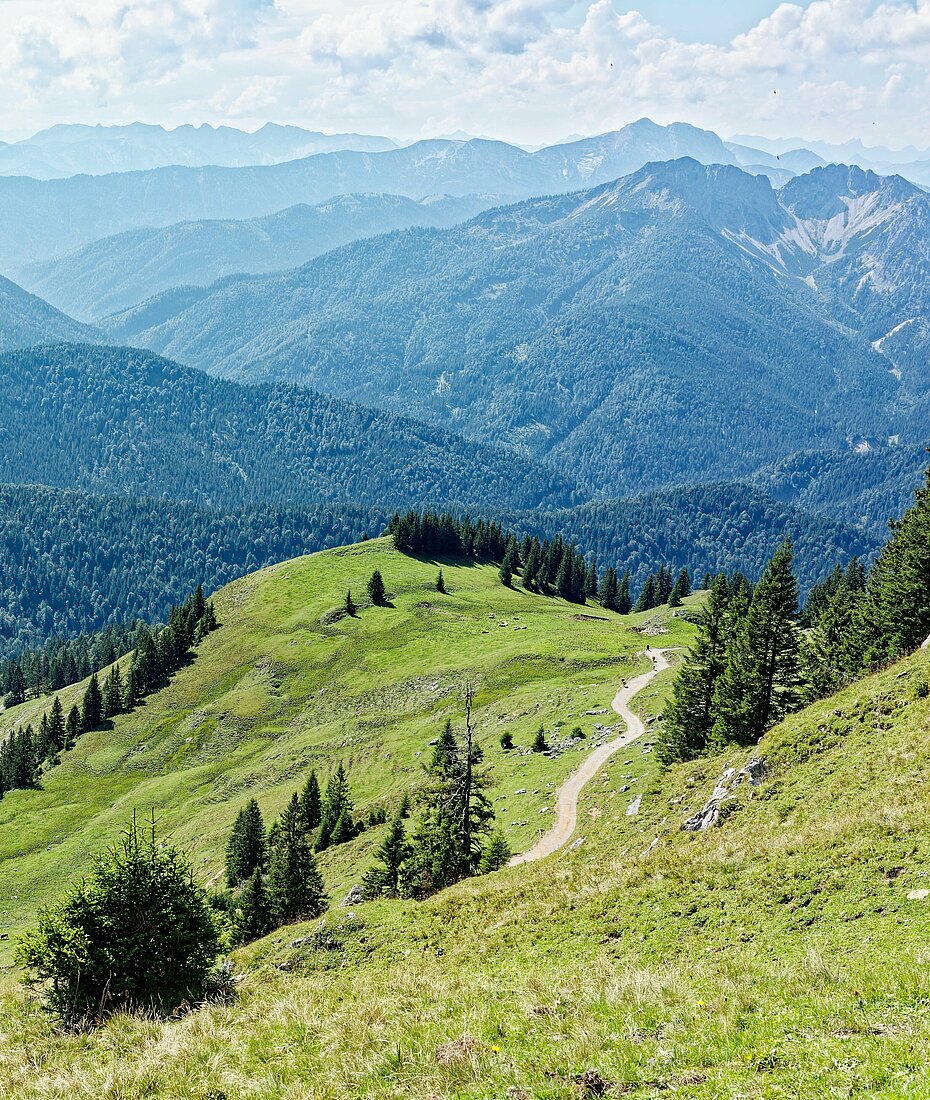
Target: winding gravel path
566, 806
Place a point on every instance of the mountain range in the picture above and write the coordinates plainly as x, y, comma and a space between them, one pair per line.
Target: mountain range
70, 150
120, 271
684, 323
43, 219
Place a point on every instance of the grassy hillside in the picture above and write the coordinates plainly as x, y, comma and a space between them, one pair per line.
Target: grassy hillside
782, 954
283, 687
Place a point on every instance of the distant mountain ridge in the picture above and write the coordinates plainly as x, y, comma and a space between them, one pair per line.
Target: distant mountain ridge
69, 150
684, 323
118, 272
42, 219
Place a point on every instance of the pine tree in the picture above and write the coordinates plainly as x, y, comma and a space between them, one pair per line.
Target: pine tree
533, 562
253, 917
376, 592
590, 579
91, 706
295, 886
663, 585
539, 741
72, 727
17, 686
680, 589
624, 599
496, 855
246, 849
113, 693
689, 715
337, 803
760, 682
311, 805
349, 605
608, 594
440, 582
647, 597
57, 733
384, 877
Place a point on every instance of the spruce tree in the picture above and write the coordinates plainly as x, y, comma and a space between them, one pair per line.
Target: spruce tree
440, 582
689, 715
58, 734
590, 580
246, 849
539, 741
759, 684
608, 594
295, 886
384, 877
624, 599
349, 604
72, 727
376, 591
647, 597
337, 803
91, 706
311, 806
496, 855
253, 917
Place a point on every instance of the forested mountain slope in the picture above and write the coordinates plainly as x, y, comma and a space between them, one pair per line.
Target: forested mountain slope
655, 330
120, 271
41, 219
118, 420
26, 320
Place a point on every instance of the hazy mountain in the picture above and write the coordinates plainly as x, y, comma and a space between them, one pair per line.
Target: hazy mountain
119, 271
68, 150
661, 328
119, 420
26, 319
910, 162
41, 219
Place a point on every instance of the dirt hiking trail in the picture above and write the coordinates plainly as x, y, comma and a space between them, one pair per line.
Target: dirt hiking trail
566, 806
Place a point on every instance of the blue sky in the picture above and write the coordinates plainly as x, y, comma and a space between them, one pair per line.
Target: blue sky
522, 70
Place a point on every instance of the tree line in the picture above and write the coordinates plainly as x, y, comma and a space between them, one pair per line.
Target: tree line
28, 752
551, 566
757, 658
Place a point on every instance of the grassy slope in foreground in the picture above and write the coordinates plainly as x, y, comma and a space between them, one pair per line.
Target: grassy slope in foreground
278, 690
776, 956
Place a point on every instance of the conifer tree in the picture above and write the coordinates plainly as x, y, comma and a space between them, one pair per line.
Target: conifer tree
689, 715
311, 805
246, 849
337, 803
590, 579
376, 591
17, 687
496, 855
384, 877
295, 886
253, 917
539, 741
91, 706
57, 733
647, 597
440, 582
663, 585
72, 727
624, 600
349, 604
760, 681
608, 595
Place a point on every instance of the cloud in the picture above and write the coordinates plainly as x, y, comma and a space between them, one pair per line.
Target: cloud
520, 69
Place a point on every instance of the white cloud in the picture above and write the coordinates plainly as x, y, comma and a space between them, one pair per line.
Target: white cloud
832, 69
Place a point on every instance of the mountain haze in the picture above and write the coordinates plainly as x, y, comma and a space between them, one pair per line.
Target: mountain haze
42, 219
121, 271
26, 320
667, 327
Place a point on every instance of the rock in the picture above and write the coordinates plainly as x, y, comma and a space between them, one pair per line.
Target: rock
652, 847
918, 895
355, 896
709, 814
633, 809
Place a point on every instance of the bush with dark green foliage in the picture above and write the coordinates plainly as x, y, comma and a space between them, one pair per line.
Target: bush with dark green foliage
135, 935
540, 744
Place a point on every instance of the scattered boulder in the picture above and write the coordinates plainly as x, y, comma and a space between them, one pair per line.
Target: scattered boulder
731, 778
918, 895
355, 896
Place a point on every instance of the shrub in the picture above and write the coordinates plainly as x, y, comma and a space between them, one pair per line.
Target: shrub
507, 740
136, 935
578, 734
539, 741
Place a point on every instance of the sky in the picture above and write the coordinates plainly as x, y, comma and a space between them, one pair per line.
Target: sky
531, 71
